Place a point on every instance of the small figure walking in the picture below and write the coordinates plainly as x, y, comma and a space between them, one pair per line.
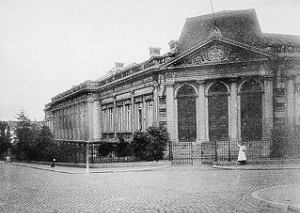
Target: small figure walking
53, 163
242, 153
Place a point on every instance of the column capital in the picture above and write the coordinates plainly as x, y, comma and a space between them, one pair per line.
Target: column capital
233, 80
169, 83
200, 82
268, 78
286, 78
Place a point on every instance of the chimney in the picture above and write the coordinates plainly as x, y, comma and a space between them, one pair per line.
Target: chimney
173, 46
119, 66
154, 51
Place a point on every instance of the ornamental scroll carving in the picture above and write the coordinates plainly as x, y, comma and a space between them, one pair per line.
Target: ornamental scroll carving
219, 53
215, 53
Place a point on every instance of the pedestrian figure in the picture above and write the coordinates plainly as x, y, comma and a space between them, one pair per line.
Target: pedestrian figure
242, 153
53, 163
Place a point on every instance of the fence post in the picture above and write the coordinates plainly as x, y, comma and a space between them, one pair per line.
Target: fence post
229, 156
216, 151
170, 151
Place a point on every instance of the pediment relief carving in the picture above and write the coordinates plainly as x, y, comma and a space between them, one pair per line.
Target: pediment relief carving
216, 53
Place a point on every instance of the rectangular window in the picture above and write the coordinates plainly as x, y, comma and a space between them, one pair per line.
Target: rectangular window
140, 116
110, 119
149, 114
120, 118
128, 118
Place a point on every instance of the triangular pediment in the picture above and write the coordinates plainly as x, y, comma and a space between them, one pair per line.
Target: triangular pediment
218, 51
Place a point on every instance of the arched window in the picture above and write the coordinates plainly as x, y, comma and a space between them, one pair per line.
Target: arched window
251, 110
218, 111
186, 106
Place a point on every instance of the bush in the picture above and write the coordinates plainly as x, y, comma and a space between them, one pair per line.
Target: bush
285, 143
122, 148
105, 149
150, 145
279, 147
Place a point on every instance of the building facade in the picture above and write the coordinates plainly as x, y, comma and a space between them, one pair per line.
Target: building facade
223, 79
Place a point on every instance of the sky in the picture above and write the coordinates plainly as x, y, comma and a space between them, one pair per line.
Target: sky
47, 46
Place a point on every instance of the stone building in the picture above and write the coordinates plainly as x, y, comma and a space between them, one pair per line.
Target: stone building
224, 79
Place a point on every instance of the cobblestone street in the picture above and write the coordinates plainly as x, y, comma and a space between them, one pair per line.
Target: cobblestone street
172, 189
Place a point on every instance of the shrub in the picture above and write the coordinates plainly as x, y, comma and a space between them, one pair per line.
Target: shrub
279, 147
122, 148
150, 145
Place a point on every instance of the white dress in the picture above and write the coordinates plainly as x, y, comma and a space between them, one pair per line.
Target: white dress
242, 154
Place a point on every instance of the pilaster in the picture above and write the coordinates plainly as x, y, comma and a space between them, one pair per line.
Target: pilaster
132, 114
233, 111
290, 102
201, 118
297, 103
155, 106
90, 128
170, 112
268, 107
115, 120
96, 120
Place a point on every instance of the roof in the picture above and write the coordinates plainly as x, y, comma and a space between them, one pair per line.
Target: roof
280, 39
238, 25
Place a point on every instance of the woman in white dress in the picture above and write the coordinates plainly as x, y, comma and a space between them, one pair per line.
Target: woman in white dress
242, 153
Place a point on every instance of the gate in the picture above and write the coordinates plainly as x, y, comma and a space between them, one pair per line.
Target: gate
181, 153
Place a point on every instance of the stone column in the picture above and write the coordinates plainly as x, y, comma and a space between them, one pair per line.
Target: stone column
268, 107
170, 112
290, 102
155, 106
96, 120
233, 112
201, 124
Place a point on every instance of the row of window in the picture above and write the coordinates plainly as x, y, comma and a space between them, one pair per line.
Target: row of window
125, 119
250, 111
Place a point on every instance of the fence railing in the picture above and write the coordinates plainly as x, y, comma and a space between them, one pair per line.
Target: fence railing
181, 153
213, 151
228, 150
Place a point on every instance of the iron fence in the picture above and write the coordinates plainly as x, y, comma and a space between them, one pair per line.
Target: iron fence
228, 150
181, 153
214, 151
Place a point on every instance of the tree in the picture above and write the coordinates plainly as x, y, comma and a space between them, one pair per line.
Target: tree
4, 137
33, 142
45, 148
23, 137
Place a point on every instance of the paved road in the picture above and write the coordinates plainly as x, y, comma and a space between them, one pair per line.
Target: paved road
174, 189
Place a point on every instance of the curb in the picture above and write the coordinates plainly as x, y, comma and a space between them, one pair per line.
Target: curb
95, 172
281, 206
252, 168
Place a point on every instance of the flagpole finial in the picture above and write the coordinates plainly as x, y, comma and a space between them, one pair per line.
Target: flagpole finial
213, 12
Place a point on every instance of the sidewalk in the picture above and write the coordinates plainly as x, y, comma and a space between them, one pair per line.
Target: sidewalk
286, 198
99, 168
260, 165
